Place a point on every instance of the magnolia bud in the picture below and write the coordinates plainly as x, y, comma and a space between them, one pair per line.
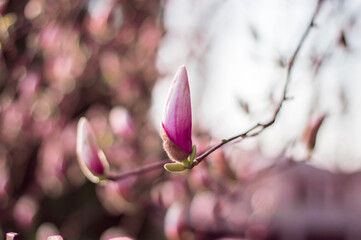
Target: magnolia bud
176, 128
91, 158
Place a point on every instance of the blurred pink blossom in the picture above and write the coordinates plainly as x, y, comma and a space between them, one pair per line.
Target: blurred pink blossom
202, 212
121, 122
46, 229
24, 212
175, 220
168, 192
28, 86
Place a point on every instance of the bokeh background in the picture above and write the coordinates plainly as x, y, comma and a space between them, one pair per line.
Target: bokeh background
236, 52
112, 61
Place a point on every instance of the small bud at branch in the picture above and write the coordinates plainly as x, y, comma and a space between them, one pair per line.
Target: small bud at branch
91, 158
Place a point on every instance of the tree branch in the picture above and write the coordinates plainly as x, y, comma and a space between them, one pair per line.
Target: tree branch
260, 127
251, 132
144, 169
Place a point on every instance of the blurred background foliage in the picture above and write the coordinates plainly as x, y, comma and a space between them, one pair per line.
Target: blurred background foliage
61, 60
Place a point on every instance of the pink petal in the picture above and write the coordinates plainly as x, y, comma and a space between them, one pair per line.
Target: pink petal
177, 120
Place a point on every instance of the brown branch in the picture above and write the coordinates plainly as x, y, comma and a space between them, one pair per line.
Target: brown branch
144, 169
251, 132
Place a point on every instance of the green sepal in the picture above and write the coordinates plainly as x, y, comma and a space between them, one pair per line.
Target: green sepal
174, 167
193, 155
186, 163
102, 178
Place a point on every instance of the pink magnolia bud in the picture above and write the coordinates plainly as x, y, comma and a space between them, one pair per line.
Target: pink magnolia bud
91, 158
176, 126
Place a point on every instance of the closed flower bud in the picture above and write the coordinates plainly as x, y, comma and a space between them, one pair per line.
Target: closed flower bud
176, 126
91, 158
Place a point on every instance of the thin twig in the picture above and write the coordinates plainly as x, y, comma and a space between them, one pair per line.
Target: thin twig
260, 127
144, 169
251, 132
